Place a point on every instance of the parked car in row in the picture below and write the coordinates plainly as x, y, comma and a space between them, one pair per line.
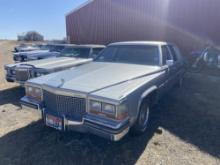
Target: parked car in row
26, 48
209, 57
72, 55
111, 95
45, 51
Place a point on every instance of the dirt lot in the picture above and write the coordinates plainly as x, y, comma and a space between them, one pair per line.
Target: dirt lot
185, 129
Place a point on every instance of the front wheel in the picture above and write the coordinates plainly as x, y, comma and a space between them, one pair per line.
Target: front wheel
143, 119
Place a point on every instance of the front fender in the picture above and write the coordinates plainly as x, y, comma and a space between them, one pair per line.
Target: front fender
144, 95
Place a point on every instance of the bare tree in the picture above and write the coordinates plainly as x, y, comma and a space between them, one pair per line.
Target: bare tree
31, 36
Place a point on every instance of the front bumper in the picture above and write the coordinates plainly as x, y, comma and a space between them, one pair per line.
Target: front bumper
112, 130
32, 105
19, 59
106, 128
9, 74
10, 78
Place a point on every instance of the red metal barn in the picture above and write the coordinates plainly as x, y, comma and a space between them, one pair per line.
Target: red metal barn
189, 23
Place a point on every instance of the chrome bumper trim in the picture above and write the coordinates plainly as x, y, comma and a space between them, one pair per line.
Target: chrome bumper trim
101, 130
119, 136
113, 124
26, 101
105, 133
10, 77
35, 111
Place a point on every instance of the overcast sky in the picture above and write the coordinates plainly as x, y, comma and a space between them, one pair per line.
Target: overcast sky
44, 16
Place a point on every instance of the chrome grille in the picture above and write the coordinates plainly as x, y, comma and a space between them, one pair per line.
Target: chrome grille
64, 105
22, 75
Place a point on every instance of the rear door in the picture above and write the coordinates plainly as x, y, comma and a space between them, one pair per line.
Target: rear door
166, 55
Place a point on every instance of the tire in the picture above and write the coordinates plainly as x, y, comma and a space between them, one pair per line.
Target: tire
143, 119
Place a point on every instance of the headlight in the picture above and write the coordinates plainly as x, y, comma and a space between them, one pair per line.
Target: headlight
34, 92
36, 74
10, 71
122, 111
118, 112
95, 106
13, 72
108, 108
39, 74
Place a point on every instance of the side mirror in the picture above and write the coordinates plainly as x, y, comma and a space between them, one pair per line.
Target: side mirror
169, 62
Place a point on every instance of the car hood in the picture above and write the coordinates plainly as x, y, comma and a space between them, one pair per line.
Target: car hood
52, 63
42, 55
96, 76
34, 52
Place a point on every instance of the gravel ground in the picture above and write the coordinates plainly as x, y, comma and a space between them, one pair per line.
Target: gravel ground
185, 129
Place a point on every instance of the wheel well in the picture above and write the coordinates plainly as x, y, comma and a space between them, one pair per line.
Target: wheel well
151, 97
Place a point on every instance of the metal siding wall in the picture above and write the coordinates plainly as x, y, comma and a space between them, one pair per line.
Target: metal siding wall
189, 23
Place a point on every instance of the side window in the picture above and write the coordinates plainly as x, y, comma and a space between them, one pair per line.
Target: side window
175, 57
166, 54
96, 51
107, 54
178, 52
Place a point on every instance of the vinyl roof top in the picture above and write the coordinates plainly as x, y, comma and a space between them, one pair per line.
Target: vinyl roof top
86, 46
157, 43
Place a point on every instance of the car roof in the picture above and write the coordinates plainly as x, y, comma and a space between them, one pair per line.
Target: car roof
55, 44
156, 43
87, 46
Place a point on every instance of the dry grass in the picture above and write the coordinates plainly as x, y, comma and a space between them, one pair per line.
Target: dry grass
6, 48
185, 129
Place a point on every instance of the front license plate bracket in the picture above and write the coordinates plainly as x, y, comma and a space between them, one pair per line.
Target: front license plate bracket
54, 122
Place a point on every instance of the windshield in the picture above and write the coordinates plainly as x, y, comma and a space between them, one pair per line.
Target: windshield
144, 55
76, 52
57, 48
45, 47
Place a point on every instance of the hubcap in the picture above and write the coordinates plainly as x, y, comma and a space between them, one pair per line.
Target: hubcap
144, 116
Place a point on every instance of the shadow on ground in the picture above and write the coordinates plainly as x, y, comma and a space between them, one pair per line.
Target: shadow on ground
36, 144
191, 113
11, 96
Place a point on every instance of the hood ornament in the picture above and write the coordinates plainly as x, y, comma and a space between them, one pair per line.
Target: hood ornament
62, 83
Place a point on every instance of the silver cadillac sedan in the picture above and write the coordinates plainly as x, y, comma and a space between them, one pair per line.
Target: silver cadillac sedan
111, 96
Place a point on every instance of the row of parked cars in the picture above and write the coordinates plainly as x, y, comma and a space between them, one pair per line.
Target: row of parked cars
107, 91
56, 58
24, 53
